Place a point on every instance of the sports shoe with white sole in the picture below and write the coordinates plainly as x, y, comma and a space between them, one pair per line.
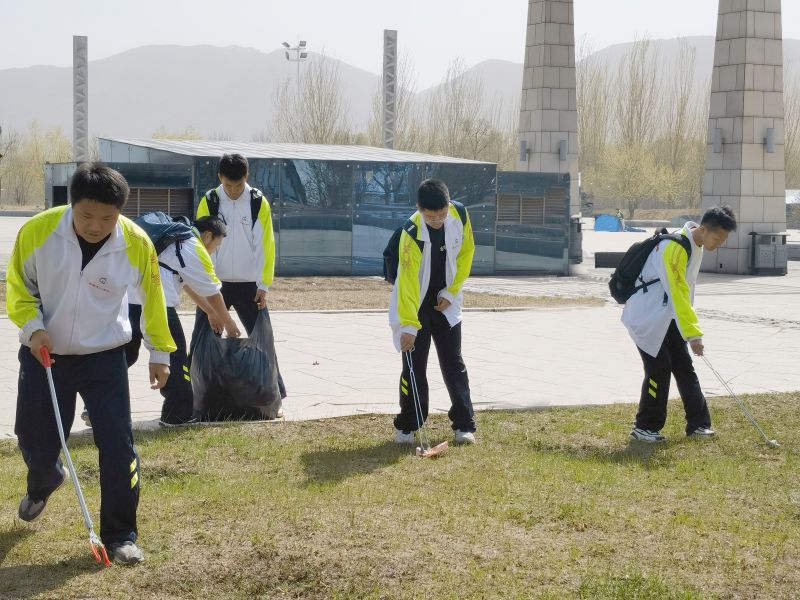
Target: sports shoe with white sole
30, 510
702, 432
403, 437
169, 424
126, 553
464, 437
647, 435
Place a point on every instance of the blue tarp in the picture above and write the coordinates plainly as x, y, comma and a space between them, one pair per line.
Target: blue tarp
607, 223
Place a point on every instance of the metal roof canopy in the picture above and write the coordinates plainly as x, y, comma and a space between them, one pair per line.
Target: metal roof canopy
203, 149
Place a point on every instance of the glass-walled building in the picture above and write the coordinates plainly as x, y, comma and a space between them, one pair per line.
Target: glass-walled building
335, 207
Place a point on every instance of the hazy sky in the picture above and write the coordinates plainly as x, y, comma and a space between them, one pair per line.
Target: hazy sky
431, 32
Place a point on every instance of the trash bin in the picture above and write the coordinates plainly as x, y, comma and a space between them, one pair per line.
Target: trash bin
575, 240
769, 254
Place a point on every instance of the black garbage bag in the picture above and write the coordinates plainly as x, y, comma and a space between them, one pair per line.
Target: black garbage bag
236, 378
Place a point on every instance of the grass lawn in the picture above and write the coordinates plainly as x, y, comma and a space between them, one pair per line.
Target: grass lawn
550, 504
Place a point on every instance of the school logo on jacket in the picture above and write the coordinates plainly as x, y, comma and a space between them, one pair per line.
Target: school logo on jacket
100, 284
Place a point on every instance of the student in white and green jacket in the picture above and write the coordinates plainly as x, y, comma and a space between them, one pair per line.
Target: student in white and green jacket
66, 290
662, 321
426, 304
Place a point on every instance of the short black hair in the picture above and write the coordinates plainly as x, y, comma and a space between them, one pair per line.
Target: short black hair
233, 166
96, 181
719, 217
213, 224
433, 194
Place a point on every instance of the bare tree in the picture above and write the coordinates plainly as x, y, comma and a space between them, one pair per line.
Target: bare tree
9, 145
635, 111
792, 126
594, 107
24, 170
683, 123
190, 133
637, 100
313, 110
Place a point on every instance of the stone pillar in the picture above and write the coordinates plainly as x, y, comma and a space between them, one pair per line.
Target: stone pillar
548, 127
745, 147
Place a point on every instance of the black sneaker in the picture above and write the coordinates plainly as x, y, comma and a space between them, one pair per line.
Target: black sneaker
126, 553
647, 435
30, 509
702, 432
169, 423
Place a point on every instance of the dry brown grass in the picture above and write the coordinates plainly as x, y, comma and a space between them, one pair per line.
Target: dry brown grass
369, 293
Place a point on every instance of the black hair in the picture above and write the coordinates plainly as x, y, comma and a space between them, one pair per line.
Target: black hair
96, 181
213, 224
719, 217
433, 194
233, 166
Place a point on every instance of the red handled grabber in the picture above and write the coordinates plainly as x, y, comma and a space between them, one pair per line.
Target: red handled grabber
424, 449
98, 549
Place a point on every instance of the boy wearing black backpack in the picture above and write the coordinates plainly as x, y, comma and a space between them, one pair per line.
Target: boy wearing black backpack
660, 318
185, 263
435, 253
245, 261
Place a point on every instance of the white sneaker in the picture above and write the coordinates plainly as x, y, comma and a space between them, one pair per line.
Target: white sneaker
647, 435
402, 437
702, 432
464, 437
126, 553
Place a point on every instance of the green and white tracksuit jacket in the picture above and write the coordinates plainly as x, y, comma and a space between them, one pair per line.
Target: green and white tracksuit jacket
248, 251
647, 315
85, 311
414, 273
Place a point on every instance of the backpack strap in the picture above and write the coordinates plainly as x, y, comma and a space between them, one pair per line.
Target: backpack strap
411, 229
673, 237
462, 211
168, 268
255, 205
212, 200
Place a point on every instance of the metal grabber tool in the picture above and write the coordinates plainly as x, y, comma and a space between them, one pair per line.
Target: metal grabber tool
424, 449
98, 549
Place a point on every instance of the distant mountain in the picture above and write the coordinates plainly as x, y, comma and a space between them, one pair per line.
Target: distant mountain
218, 91
228, 91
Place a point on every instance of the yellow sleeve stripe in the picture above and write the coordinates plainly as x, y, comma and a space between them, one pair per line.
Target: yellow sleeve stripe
675, 261
408, 280
268, 242
465, 255
142, 256
22, 305
202, 208
205, 260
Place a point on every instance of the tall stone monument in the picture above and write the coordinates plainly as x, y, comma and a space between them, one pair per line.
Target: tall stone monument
745, 147
548, 127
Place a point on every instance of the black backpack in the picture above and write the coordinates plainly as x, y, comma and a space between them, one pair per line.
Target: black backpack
627, 278
163, 231
212, 199
391, 254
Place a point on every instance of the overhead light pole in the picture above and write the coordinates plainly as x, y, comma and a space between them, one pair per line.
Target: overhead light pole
300, 52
